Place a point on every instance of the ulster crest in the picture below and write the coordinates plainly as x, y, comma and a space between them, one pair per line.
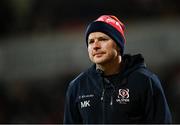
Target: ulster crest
123, 96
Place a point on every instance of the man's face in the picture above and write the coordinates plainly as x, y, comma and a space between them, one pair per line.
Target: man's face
101, 48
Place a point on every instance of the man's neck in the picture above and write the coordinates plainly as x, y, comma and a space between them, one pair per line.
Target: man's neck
111, 68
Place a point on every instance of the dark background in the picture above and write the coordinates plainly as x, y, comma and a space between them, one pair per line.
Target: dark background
42, 48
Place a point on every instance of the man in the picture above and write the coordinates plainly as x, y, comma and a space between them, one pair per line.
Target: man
118, 88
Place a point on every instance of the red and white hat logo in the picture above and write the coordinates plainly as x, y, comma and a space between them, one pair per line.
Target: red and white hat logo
113, 21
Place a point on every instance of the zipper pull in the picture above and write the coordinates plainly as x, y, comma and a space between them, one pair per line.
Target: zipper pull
111, 100
102, 97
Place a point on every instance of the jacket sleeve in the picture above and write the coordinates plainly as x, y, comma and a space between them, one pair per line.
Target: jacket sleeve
71, 112
156, 107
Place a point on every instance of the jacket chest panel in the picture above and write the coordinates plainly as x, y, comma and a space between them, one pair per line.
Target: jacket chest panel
125, 103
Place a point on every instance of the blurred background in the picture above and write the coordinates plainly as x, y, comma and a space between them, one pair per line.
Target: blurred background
42, 48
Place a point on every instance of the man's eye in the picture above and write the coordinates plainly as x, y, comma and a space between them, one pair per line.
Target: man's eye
90, 41
103, 39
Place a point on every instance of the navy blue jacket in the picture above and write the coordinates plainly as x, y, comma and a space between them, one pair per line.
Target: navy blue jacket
133, 96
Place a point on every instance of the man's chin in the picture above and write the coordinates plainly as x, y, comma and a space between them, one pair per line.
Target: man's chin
99, 61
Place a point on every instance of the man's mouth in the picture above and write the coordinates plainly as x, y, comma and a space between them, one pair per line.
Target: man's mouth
98, 54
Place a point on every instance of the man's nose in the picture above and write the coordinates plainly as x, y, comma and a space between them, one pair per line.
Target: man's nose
97, 44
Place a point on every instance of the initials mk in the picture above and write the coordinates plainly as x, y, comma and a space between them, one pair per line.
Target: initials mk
85, 104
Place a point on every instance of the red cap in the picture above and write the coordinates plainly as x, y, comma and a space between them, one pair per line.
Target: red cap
113, 21
111, 26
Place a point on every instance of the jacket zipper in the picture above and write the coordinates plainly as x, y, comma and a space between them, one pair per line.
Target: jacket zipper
102, 96
102, 99
111, 102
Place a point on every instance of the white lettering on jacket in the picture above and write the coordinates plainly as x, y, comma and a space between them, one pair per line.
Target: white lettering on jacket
85, 104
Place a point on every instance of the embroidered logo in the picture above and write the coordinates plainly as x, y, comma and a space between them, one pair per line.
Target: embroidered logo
86, 96
123, 96
85, 104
